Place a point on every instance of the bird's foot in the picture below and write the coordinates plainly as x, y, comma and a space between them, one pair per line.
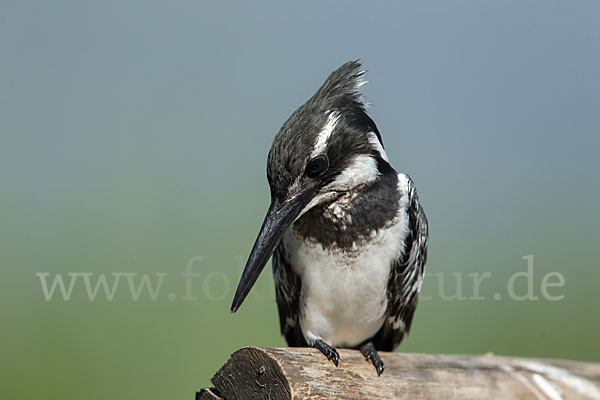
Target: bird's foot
368, 350
329, 351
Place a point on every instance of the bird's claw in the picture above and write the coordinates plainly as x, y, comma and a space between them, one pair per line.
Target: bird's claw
368, 350
333, 356
378, 366
329, 351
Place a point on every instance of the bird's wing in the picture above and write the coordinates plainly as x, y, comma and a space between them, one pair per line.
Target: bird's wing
406, 275
287, 293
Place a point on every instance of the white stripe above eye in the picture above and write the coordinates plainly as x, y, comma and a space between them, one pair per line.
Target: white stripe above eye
377, 146
321, 144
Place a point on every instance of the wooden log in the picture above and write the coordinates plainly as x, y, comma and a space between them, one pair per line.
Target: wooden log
303, 373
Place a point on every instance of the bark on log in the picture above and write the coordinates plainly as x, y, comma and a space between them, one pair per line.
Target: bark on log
302, 373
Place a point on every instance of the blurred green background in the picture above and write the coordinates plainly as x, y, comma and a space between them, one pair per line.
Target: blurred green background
134, 137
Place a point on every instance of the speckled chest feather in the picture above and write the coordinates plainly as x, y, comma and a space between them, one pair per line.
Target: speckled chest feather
351, 220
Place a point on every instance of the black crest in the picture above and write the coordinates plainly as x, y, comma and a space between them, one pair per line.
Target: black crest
341, 89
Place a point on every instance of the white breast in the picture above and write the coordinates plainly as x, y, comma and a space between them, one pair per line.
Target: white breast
344, 299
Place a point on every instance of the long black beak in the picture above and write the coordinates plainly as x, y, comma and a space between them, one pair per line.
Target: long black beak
278, 219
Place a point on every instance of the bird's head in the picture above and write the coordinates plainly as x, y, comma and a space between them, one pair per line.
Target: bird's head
327, 147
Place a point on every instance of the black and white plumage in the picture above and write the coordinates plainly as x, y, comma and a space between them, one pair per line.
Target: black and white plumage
346, 231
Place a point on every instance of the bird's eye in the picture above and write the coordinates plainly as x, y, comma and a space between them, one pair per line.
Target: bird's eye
317, 166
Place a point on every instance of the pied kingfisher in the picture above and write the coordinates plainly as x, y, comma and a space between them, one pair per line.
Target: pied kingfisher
346, 231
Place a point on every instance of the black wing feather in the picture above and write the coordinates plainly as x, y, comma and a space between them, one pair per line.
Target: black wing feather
406, 276
287, 294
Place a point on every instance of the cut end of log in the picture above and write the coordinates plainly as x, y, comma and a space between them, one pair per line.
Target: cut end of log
304, 373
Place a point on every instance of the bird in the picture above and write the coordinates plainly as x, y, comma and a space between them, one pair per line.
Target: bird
346, 232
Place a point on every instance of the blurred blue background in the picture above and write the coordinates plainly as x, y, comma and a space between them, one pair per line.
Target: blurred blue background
134, 137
